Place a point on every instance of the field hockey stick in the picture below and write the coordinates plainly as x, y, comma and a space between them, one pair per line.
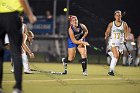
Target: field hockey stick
49, 72
95, 48
41, 71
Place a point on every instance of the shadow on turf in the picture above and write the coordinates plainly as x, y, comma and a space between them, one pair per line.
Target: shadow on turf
49, 74
130, 81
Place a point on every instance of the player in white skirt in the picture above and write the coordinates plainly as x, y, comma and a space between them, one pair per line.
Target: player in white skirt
117, 30
27, 36
138, 55
130, 46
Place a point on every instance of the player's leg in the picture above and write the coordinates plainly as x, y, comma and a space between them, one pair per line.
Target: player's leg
138, 58
129, 62
131, 50
66, 60
13, 29
108, 57
26, 64
12, 70
83, 52
1, 57
114, 59
1, 65
124, 58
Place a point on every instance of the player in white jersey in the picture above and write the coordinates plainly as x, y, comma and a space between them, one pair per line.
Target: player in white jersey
138, 54
117, 30
130, 46
27, 36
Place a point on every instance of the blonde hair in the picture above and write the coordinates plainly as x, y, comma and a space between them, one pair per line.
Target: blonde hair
30, 34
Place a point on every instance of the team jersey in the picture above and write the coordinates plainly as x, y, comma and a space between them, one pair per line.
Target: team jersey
117, 34
78, 34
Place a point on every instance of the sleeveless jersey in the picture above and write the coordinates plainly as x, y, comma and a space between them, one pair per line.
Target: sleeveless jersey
117, 34
78, 34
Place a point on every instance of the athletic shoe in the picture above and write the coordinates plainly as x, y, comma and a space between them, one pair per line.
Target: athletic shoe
12, 70
65, 72
85, 73
17, 91
28, 72
111, 73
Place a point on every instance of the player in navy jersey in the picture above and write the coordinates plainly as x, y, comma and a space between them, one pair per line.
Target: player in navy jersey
76, 40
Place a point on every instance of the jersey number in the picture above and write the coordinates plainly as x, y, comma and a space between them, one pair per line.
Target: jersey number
117, 35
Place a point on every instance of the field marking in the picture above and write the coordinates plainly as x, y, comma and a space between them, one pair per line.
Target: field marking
8, 81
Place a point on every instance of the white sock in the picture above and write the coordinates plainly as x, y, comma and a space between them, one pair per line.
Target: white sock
111, 54
108, 60
137, 61
129, 60
113, 64
25, 62
124, 60
12, 70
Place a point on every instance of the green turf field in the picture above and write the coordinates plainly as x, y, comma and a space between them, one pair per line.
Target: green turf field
127, 79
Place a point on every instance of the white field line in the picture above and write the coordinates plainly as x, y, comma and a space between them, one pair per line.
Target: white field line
57, 79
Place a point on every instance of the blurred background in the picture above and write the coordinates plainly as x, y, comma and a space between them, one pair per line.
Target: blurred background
50, 30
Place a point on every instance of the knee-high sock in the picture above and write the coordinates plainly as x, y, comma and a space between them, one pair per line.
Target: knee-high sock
137, 61
124, 60
108, 60
25, 62
84, 63
113, 64
65, 60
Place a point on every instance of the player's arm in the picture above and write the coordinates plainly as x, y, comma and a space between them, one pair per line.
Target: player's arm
108, 30
25, 28
28, 11
85, 30
133, 39
125, 30
71, 34
25, 47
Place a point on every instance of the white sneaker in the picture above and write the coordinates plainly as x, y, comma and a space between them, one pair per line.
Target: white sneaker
17, 91
28, 72
12, 70
85, 73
